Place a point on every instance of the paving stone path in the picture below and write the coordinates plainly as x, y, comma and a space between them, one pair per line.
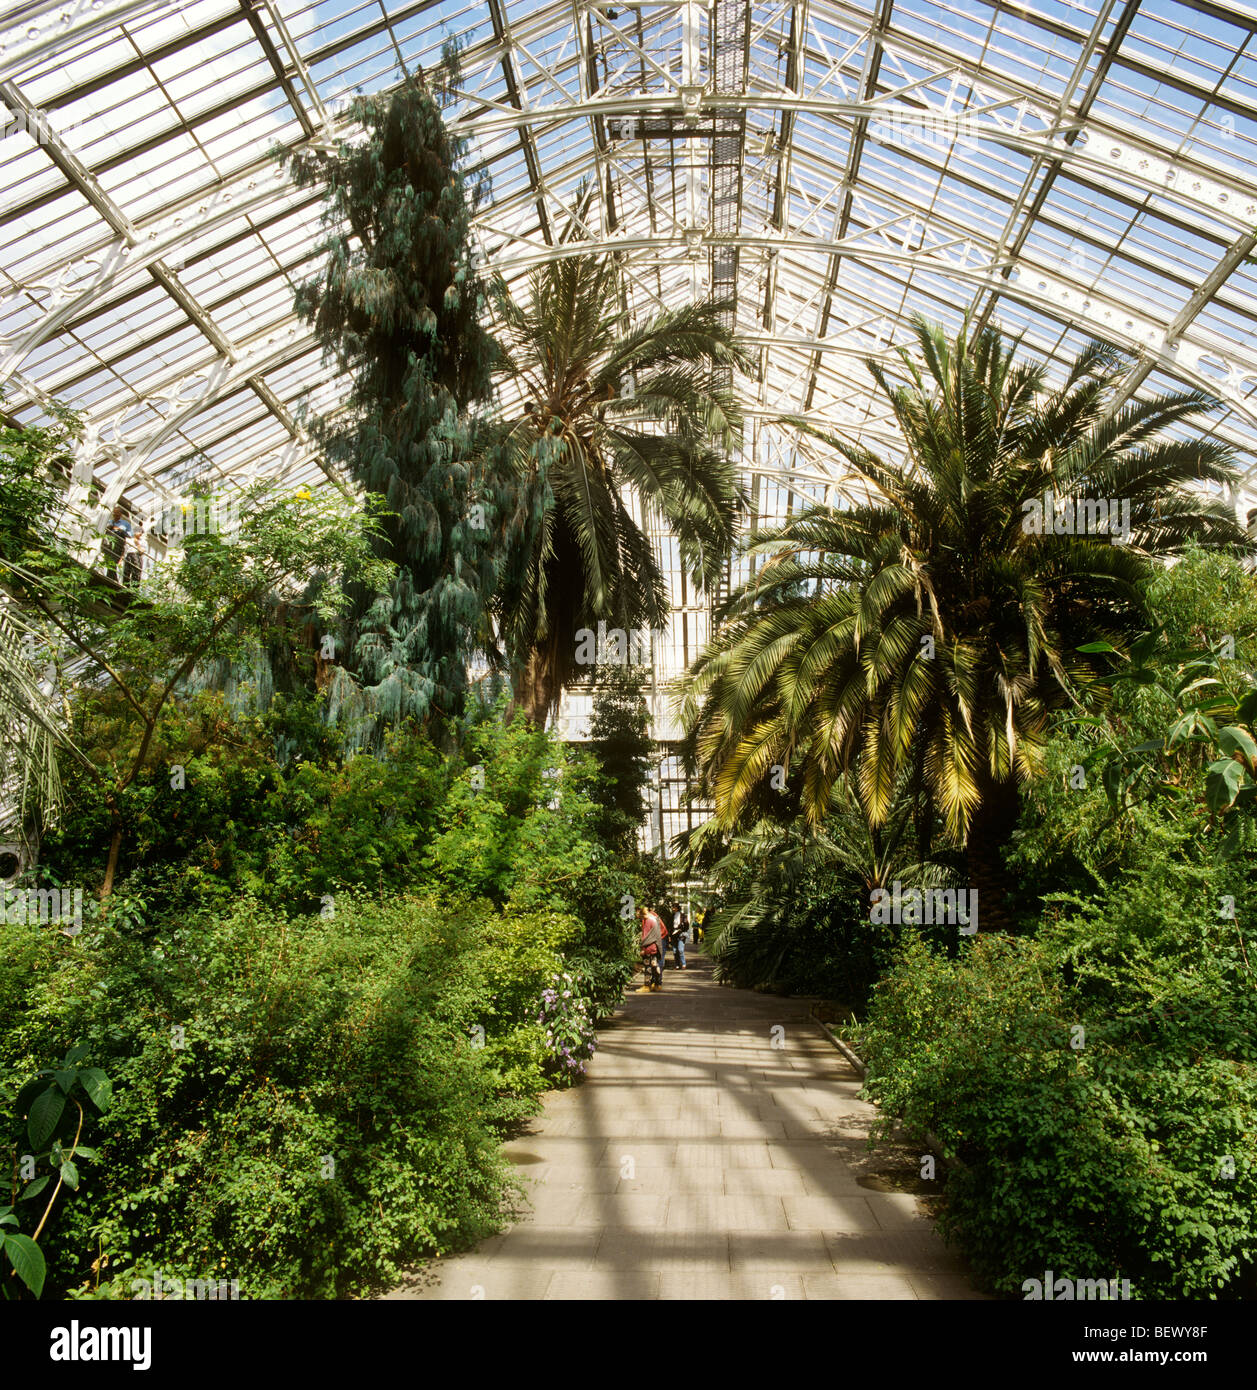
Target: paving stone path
697, 1160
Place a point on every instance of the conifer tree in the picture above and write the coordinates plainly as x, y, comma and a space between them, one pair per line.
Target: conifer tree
619, 733
398, 307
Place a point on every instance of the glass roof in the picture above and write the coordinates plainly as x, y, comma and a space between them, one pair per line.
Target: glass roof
1064, 168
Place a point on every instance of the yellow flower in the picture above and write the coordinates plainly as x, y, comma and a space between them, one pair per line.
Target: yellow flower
305, 494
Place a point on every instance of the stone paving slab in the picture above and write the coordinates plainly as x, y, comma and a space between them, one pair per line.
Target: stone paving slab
780, 1252
864, 1286
713, 1152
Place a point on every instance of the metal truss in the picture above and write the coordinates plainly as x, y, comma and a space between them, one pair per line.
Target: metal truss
827, 168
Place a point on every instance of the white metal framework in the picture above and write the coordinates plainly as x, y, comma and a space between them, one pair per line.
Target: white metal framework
1064, 168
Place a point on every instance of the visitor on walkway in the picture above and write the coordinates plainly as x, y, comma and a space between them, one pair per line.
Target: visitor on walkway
117, 534
133, 559
652, 949
678, 937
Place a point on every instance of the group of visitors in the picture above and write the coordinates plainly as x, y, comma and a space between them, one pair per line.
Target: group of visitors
124, 544
671, 924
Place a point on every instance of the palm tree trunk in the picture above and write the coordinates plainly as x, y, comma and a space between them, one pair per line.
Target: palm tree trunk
990, 829
550, 664
535, 693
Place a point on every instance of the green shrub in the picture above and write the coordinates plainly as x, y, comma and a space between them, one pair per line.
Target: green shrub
324, 1117
357, 955
1098, 1135
566, 1017
824, 944
236, 819
601, 980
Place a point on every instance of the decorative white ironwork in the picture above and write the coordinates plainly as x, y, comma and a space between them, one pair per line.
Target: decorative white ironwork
614, 98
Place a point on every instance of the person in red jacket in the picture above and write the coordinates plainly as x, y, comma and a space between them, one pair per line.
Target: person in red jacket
654, 943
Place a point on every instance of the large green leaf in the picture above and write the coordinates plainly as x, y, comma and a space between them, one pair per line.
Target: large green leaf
1222, 783
1231, 845
27, 1260
98, 1087
45, 1116
29, 1091
1191, 725
1144, 646
1233, 740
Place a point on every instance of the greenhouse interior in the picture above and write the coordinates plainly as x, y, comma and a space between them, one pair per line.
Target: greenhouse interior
505, 504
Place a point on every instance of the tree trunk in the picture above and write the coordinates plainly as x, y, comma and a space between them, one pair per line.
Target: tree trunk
115, 847
990, 829
536, 694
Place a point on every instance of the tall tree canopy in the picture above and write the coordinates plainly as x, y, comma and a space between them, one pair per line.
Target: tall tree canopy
619, 739
610, 410
399, 306
930, 632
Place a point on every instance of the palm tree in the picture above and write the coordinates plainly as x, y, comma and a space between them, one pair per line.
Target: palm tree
610, 411
34, 723
931, 629
33, 730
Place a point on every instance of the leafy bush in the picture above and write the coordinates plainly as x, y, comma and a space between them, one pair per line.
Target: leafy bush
44, 1104
1098, 1082
601, 979
299, 1105
1093, 1145
241, 818
824, 945
320, 987
793, 913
